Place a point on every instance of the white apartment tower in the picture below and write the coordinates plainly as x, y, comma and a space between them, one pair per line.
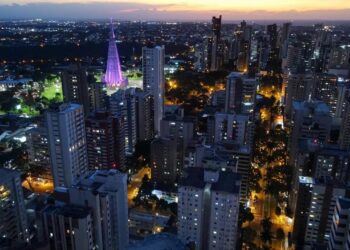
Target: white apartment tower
69, 227
67, 142
208, 209
153, 79
95, 209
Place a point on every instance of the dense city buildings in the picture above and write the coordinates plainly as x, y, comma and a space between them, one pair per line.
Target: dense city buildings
94, 210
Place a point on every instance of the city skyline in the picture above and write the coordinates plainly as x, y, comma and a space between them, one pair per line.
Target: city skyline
178, 126
172, 10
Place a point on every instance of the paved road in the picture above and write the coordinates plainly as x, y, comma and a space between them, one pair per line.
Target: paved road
135, 183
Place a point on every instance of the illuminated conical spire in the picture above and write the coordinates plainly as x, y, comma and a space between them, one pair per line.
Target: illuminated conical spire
113, 76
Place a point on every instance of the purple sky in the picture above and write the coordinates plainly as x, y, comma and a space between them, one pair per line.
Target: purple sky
143, 11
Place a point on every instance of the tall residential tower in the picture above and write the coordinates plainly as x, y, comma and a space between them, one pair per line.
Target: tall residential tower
153, 79
67, 142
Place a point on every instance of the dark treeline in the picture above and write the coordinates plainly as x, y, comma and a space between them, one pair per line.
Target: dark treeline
95, 50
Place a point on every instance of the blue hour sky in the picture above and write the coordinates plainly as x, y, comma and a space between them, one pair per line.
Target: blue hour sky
178, 10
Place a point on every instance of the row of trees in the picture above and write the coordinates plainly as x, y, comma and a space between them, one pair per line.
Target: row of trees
249, 235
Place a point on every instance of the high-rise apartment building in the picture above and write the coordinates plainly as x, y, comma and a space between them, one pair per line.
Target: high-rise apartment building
233, 128
294, 59
123, 104
38, 147
320, 214
273, 35
284, 39
248, 95
340, 235
216, 36
339, 60
69, 227
243, 156
234, 88
208, 208
344, 138
75, 86
144, 115
240, 93
153, 79
310, 120
177, 128
105, 141
164, 160
13, 218
301, 207
67, 142
326, 90
97, 96
92, 214
299, 89
343, 88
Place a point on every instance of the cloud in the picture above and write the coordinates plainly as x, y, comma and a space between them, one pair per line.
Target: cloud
143, 11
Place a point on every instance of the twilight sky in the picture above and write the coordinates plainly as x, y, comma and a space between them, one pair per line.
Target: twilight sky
177, 10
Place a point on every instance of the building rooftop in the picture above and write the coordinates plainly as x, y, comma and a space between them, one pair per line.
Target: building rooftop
235, 75
176, 118
224, 181
74, 211
94, 180
8, 173
306, 180
62, 107
228, 182
333, 150
311, 107
99, 116
71, 211
344, 203
307, 145
193, 177
162, 241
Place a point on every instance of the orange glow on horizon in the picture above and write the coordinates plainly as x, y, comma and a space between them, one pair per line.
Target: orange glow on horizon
221, 5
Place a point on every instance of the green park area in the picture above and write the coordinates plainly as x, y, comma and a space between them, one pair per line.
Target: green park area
134, 75
31, 99
52, 88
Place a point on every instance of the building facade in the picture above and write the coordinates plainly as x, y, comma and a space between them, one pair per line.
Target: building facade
154, 80
67, 142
